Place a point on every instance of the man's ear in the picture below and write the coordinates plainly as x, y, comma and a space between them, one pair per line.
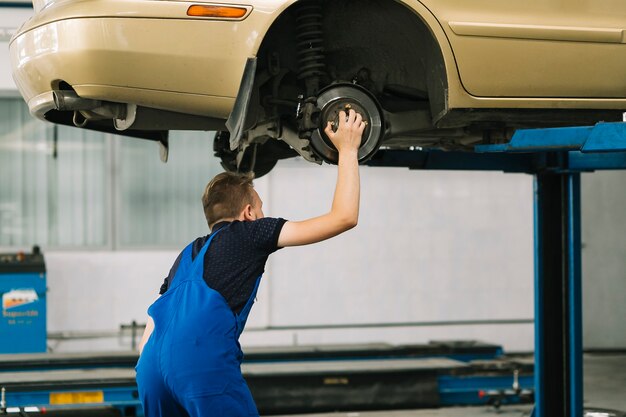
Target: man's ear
247, 213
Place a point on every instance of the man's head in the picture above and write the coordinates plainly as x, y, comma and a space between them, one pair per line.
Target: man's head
231, 196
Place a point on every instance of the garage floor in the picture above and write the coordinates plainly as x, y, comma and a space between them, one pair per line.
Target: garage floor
605, 387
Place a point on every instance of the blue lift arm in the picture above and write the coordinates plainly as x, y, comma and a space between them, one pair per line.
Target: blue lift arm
531, 151
603, 137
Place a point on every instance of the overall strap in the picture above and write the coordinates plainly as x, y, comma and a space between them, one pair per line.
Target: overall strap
242, 317
188, 267
183, 268
198, 262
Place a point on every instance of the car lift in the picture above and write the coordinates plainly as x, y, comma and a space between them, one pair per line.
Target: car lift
556, 157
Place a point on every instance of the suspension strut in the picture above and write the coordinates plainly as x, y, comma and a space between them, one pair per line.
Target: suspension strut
310, 45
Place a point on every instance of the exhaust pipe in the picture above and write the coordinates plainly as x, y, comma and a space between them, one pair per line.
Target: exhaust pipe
66, 100
90, 109
129, 116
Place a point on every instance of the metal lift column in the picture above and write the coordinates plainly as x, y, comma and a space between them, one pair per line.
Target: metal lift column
560, 155
558, 321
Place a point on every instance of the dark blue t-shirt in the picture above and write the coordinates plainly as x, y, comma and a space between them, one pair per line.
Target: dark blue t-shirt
236, 258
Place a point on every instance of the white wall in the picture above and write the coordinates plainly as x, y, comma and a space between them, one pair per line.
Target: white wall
604, 259
430, 247
10, 20
93, 291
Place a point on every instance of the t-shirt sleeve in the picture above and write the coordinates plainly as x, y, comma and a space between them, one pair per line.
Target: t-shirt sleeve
265, 232
164, 286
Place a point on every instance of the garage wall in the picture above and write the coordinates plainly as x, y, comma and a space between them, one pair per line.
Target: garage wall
10, 19
429, 252
435, 259
604, 259
452, 249
92, 292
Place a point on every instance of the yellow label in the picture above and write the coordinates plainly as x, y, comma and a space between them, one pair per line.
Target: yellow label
86, 397
336, 381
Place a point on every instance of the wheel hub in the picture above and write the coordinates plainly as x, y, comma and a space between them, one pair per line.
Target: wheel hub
344, 97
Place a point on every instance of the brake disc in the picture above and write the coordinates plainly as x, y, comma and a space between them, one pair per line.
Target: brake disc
336, 98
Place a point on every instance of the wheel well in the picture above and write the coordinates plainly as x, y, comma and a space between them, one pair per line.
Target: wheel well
384, 38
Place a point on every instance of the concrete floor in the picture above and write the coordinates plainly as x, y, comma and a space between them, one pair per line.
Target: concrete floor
509, 411
605, 381
604, 387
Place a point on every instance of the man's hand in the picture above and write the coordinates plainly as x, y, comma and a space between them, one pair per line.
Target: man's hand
349, 132
344, 213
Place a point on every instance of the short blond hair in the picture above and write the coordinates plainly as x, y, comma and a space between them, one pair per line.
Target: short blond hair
226, 195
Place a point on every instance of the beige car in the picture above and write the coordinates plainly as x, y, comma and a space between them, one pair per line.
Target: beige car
444, 74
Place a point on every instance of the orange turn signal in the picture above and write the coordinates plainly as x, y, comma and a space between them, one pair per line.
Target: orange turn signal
223, 12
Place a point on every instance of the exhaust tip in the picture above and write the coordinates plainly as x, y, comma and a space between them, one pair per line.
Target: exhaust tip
57, 100
67, 100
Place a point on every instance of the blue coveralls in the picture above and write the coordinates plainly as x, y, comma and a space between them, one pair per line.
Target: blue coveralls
190, 365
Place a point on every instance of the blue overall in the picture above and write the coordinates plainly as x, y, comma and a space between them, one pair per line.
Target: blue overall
190, 365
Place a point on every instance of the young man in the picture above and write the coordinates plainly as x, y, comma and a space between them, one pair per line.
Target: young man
190, 355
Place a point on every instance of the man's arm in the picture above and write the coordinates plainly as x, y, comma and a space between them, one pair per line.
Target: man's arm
344, 212
146, 333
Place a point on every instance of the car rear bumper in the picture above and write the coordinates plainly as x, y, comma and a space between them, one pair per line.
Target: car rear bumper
173, 63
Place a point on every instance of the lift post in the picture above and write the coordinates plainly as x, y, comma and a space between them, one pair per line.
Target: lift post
558, 304
555, 157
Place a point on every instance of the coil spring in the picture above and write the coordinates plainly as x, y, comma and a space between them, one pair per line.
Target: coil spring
309, 40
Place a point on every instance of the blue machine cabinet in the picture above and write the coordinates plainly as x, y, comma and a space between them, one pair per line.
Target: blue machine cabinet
23, 292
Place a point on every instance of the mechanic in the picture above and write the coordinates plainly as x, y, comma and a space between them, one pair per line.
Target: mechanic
190, 356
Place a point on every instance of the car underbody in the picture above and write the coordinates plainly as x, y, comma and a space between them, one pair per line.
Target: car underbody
318, 58
386, 65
